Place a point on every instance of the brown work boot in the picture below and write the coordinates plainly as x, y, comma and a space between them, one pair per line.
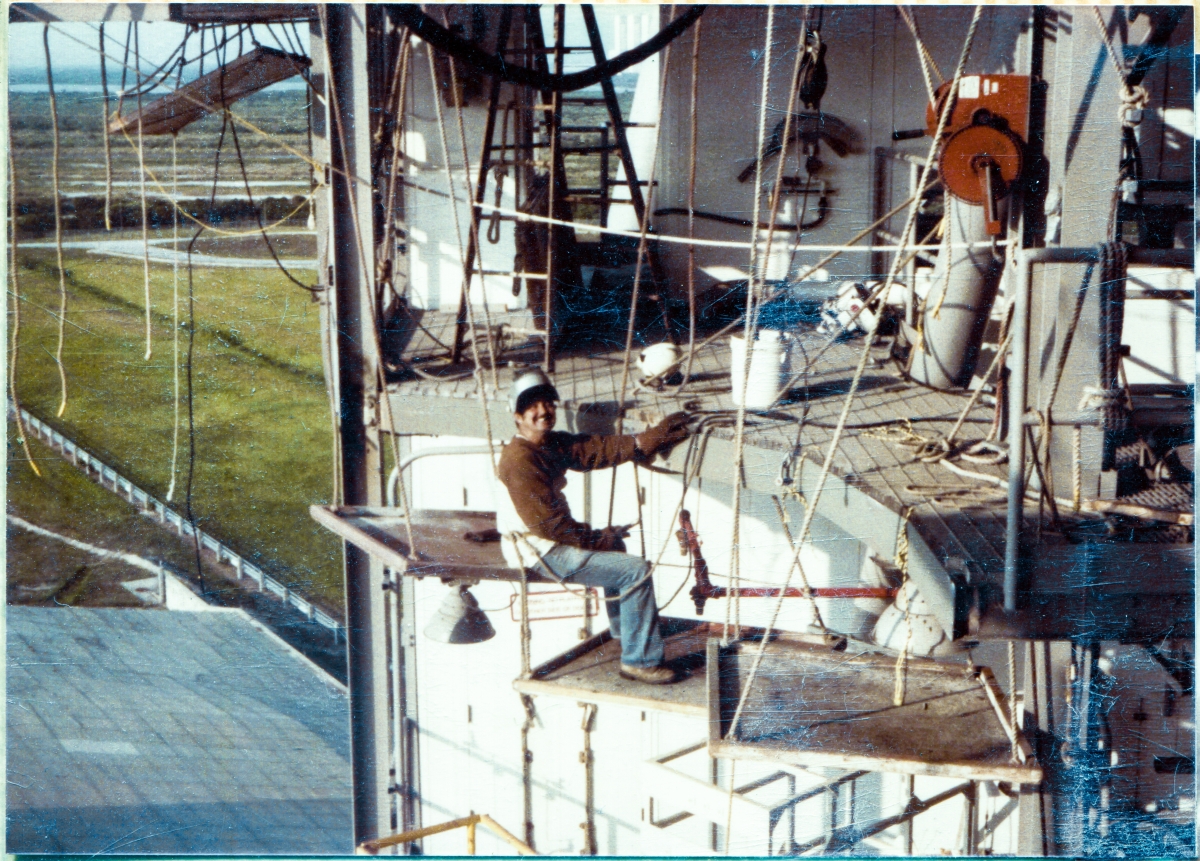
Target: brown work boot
648, 675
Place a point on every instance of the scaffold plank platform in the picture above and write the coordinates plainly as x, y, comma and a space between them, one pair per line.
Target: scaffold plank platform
812, 706
442, 549
590, 672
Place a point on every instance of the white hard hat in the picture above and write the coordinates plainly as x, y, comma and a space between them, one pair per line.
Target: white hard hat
530, 385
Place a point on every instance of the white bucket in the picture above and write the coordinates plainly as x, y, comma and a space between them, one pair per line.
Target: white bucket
770, 368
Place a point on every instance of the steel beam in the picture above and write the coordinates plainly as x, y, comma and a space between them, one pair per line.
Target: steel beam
352, 249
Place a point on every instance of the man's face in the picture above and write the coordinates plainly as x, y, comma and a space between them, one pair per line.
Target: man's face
537, 420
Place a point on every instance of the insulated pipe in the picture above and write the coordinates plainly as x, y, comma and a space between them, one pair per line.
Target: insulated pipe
960, 300
1178, 258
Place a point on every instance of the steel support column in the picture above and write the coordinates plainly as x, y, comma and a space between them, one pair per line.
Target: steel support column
353, 255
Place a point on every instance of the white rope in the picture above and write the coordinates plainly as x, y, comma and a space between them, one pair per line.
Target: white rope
474, 236
858, 372
141, 153
582, 227
175, 314
62, 275
466, 295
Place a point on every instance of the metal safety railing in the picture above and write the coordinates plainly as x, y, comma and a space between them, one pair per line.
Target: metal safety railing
105, 475
1178, 258
372, 847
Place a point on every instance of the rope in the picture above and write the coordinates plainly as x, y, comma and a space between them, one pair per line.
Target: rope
174, 320
808, 592
725, 330
360, 248
1077, 468
901, 561
641, 260
1012, 698
108, 172
141, 153
858, 372
219, 231
466, 294
16, 324
749, 330
837, 250
928, 64
474, 237
258, 217
691, 202
62, 275
242, 121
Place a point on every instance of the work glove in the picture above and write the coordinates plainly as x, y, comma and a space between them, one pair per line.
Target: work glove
671, 430
611, 538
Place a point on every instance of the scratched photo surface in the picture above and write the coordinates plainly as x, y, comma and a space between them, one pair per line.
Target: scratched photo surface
625, 429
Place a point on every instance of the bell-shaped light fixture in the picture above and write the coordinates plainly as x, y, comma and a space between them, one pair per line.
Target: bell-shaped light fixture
459, 620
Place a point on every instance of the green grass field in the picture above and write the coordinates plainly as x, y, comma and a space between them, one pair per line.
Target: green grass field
262, 423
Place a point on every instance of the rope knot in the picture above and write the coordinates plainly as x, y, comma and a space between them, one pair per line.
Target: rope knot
1110, 403
1133, 102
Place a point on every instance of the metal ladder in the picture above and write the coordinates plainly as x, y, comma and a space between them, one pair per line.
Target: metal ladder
550, 128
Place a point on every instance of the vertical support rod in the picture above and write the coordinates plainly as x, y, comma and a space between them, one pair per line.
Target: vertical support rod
353, 251
1016, 430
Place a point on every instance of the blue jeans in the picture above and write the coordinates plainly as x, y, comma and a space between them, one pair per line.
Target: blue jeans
634, 620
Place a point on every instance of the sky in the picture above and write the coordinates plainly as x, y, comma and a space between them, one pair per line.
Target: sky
75, 46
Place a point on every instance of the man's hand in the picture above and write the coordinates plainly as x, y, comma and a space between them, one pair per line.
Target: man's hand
613, 537
673, 429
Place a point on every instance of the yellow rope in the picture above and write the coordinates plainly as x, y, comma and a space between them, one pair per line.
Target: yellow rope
58, 246
234, 116
212, 228
16, 325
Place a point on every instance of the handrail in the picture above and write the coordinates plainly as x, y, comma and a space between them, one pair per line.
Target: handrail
1178, 258
393, 480
372, 847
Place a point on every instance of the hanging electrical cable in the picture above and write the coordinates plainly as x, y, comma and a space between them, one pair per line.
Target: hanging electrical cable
15, 351
58, 240
497, 66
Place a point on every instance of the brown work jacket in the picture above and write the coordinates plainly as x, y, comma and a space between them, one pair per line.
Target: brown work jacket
536, 476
